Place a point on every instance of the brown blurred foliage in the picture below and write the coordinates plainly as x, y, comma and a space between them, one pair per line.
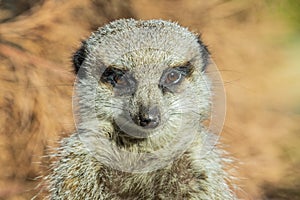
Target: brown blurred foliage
36, 82
38, 37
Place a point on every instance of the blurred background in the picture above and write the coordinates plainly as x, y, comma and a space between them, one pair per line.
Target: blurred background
255, 44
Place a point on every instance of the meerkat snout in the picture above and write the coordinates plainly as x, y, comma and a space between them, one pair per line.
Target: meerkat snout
147, 117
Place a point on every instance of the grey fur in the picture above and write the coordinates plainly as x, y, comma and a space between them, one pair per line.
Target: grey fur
87, 167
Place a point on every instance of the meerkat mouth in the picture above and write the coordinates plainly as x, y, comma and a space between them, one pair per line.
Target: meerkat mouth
125, 127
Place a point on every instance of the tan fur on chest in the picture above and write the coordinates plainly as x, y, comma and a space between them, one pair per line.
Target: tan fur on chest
179, 177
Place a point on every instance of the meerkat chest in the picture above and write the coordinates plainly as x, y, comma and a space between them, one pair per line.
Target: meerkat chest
176, 181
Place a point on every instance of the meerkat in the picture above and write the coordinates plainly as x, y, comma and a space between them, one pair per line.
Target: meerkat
141, 96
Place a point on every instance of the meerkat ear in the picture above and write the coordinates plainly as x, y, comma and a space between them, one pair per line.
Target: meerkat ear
205, 53
79, 56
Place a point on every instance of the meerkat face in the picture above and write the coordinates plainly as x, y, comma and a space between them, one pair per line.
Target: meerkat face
143, 79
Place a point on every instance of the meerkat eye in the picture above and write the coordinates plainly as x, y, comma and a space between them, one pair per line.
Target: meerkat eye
115, 77
122, 81
173, 77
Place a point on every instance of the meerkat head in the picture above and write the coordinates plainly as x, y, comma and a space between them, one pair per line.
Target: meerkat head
142, 81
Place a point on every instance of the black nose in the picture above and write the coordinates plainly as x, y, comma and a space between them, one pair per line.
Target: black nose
148, 117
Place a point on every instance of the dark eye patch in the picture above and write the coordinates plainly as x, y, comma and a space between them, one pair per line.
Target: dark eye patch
121, 81
172, 77
186, 69
111, 76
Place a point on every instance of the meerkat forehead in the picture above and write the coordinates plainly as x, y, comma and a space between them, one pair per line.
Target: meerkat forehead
147, 42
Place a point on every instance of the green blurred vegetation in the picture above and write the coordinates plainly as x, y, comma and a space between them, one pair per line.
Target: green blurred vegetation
289, 10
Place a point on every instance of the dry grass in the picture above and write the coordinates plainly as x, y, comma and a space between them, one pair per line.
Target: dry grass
260, 73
